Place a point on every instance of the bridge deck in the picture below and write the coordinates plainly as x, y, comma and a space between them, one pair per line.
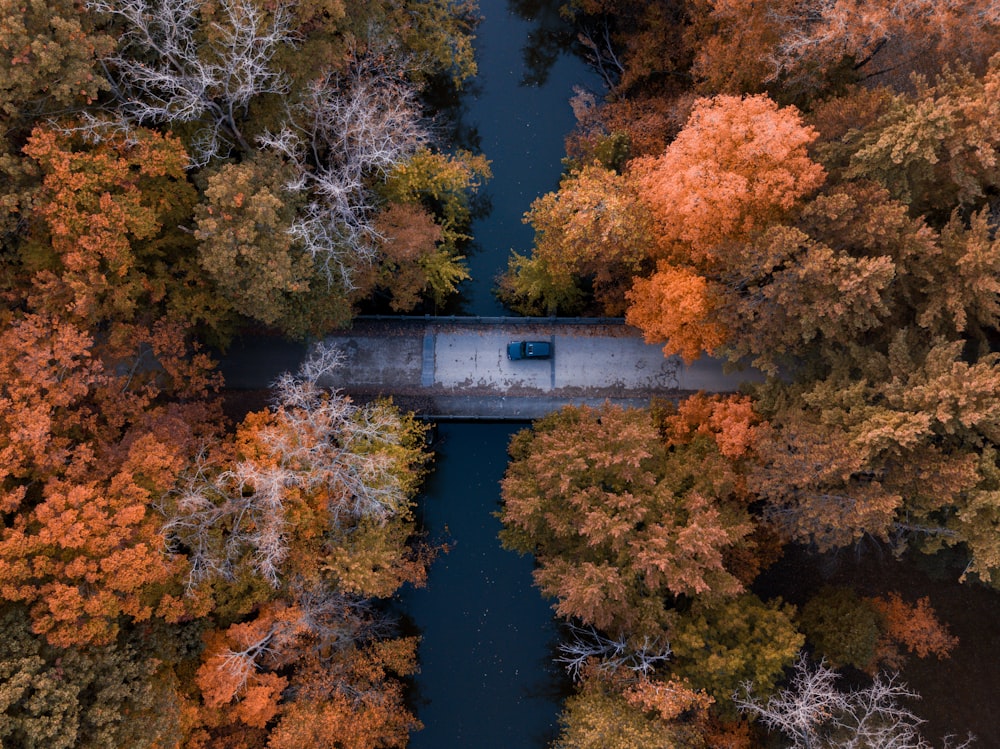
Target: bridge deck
456, 367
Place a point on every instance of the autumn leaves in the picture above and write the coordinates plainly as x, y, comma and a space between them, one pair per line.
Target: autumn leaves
847, 246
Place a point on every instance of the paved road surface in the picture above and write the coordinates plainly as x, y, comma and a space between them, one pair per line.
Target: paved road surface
458, 368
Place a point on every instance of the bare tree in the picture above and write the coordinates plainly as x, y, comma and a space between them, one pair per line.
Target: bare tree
216, 515
814, 714
351, 130
588, 646
318, 439
171, 66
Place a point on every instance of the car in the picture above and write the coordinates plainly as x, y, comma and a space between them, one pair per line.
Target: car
529, 350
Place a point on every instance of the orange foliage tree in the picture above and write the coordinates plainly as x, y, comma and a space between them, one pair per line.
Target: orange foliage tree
289, 530
87, 450
914, 626
738, 166
104, 243
621, 518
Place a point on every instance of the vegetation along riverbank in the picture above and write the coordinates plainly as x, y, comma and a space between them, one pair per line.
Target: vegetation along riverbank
812, 187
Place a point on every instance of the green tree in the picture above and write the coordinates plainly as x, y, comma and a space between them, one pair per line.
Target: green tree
245, 245
842, 626
721, 645
933, 148
593, 232
49, 62
81, 698
599, 717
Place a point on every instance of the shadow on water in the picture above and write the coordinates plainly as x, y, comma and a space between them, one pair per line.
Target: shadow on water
549, 37
960, 694
486, 675
519, 126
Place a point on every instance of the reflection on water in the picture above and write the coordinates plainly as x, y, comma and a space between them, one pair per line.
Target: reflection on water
520, 128
548, 38
487, 678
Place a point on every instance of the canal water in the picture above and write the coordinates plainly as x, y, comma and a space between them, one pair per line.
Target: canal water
486, 677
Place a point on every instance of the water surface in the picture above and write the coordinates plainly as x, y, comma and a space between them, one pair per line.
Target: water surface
487, 679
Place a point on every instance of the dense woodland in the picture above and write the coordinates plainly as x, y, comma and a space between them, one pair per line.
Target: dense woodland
811, 188
808, 186
175, 172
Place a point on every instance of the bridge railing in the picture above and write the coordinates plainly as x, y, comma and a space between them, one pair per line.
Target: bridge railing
485, 320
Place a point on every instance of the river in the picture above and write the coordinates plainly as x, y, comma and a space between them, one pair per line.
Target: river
486, 674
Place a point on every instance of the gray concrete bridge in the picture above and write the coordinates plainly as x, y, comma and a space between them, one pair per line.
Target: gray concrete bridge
457, 367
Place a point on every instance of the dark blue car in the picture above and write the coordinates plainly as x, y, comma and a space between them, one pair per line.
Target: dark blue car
529, 350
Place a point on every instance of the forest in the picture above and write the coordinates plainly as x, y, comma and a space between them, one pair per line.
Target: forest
808, 187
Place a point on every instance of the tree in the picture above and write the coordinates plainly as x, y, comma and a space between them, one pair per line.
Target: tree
737, 166
884, 445
913, 625
598, 717
679, 307
350, 130
354, 702
881, 37
620, 519
97, 698
425, 224
103, 242
88, 446
438, 37
933, 149
734, 44
814, 714
317, 478
175, 66
245, 245
593, 229
719, 645
443, 184
289, 529
49, 63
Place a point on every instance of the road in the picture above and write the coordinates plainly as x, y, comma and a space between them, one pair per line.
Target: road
457, 367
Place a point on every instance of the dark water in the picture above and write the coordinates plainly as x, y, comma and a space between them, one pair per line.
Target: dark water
518, 114
486, 677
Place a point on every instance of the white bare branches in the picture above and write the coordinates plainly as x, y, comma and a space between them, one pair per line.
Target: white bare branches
587, 647
329, 442
318, 443
218, 515
323, 621
173, 67
814, 714
349, 131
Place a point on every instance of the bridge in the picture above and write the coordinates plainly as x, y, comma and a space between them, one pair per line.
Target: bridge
457, 367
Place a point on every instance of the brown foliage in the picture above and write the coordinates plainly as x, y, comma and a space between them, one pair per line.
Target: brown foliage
619, 518
914, 626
